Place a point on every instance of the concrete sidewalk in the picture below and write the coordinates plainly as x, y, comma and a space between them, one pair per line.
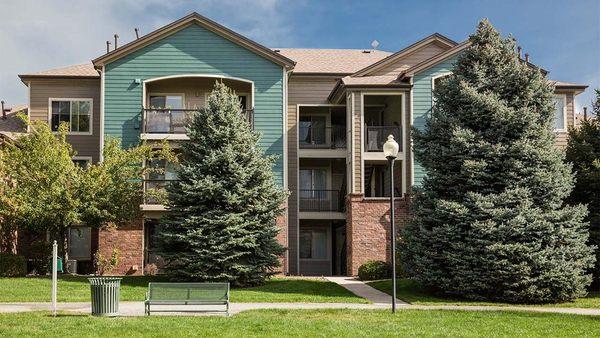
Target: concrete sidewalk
137, 308
361, 289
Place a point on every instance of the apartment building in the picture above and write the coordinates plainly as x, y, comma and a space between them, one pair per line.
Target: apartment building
326, 112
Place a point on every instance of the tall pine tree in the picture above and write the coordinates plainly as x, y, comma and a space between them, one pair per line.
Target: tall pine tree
221, 224
490, 220
583, 151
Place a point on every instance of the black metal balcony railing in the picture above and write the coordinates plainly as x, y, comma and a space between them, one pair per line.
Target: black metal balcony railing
173, 121
155, 191
375, 136
321, 200
333, 137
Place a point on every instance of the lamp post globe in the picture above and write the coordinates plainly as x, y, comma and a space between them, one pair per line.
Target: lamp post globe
390, 150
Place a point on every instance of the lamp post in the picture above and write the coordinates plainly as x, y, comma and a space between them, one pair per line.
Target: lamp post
390, 150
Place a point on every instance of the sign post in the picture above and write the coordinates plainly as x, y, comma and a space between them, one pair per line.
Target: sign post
54, 276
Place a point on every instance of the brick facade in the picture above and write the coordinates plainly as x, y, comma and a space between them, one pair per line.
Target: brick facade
129, 240
368, 230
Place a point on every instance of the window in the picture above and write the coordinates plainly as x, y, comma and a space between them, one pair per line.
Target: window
151, 253
313, 244
77, 113
435, 81
80, 243
166, 101
313, 179
312, 129
82, 161
560, 113
162, 170
243, 101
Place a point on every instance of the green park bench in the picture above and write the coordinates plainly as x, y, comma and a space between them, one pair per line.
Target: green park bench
187, 294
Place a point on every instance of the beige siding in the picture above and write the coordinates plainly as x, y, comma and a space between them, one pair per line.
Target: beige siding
44, 89
561, 137
194, 90
301, 90
357, 144
403, 63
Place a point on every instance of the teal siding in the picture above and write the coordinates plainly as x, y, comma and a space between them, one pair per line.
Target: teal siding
422, 100
194, 50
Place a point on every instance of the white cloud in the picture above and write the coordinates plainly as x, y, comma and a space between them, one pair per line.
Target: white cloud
38, 35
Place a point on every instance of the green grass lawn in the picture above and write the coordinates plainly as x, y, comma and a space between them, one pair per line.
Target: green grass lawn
307, 323
76, 289
412, 292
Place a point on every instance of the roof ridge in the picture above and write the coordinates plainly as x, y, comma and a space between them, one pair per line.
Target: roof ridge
353, 49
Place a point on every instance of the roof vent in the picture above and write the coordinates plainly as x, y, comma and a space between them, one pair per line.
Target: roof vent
277, 50
366, 51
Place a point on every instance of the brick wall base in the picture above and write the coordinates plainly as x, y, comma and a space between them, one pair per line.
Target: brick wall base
129, 240
368, 230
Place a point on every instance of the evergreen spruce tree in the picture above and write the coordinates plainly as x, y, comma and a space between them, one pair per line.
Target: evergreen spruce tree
583, 151
221, 224
490, 220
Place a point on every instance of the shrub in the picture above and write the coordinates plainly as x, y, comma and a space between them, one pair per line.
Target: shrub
150, 269
372, 270
12, 265
105, 265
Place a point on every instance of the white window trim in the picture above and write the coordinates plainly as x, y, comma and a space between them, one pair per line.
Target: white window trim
564, 98
71, 99
433, 78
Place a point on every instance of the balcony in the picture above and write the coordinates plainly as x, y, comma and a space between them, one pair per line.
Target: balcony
312, 137
155, 192
375, 137
174, 121
321, 201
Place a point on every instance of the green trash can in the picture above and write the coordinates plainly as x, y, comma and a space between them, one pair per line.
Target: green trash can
105, 296
59, 265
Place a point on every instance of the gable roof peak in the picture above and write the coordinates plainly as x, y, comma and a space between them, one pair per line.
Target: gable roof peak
435, 37
206, 23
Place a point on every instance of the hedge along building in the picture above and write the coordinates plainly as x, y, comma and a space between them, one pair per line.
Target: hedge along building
325, 112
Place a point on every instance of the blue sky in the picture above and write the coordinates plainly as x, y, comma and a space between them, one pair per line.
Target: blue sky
560, 36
